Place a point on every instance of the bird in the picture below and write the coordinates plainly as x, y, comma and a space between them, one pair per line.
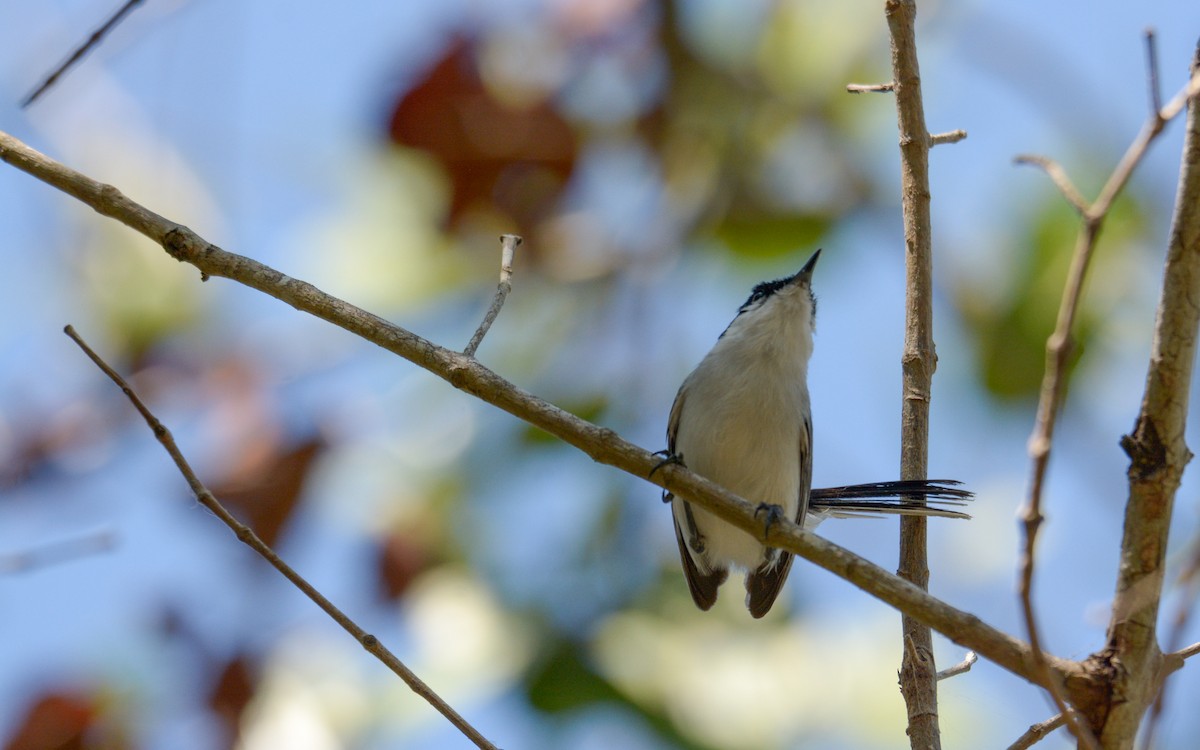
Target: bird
743, 419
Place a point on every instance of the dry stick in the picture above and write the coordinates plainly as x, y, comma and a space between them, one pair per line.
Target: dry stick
508, 244
246, 535
918, 672
1038, 732
1158, 452
601, 444
1058, 347
95, 39
963, 666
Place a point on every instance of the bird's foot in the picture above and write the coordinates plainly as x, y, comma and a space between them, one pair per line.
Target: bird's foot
773, 515
669, 458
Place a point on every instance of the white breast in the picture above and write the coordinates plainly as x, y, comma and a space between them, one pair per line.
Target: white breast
742, 428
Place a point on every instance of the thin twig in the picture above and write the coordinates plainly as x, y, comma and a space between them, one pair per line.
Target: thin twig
1187, 653
963, 666
95, 39
953, 136
1038, 732
1058, 348
601, 444
918, 670
1059, 177
508, 245
246, 535
1152, 73
54, 553
870, 88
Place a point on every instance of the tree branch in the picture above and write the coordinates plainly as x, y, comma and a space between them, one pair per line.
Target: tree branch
601, 444
1157, 450
95, 39
962, 667
1038, 732
918, 671
246, 535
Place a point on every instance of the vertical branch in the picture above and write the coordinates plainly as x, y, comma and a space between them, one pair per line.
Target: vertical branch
918, 672
1157, 450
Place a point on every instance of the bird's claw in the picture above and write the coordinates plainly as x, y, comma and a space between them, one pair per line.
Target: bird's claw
669, 458
773, 513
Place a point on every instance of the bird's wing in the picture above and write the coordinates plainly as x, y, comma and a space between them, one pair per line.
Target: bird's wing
702, 583
765, 582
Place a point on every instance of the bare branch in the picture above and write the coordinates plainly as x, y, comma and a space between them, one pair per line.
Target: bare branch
1157, 450
246, 535
1038, 732
960, 668
603, 445
1187, 653
918, 671
508, 245
870, 88
954, 136
1059, 176
95, 39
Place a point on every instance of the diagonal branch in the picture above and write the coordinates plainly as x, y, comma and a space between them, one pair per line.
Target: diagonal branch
246, 535
95, 39
601, 444
1038, 732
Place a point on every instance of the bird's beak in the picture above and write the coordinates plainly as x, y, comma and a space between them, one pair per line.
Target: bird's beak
805, 273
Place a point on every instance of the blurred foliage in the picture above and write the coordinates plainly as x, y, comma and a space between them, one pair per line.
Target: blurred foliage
562, 681
68, 720
1011, 320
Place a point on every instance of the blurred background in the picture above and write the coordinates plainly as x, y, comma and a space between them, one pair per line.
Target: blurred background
659, 157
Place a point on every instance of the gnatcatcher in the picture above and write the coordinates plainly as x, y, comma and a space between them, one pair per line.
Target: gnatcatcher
743, 419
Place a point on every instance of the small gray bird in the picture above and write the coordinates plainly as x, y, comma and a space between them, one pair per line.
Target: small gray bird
743, 419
